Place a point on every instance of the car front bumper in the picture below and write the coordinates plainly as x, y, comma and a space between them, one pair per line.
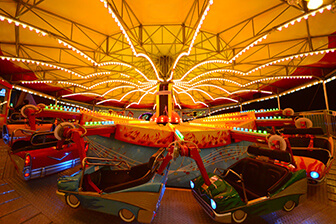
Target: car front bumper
224, 218
61, 195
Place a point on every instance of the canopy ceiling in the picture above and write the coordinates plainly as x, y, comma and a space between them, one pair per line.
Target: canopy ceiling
214, 52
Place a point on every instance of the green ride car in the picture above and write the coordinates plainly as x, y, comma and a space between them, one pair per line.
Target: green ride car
260, 184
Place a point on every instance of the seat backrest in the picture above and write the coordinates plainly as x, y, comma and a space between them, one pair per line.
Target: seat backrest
303, 131
299, 141
322, 143
19, 145
322, 155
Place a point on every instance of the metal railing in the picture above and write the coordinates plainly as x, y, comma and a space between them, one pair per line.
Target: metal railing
326, 119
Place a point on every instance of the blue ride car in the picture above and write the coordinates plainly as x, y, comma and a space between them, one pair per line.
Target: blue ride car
112, 186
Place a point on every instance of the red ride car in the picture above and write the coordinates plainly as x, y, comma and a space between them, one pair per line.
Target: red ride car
41, 156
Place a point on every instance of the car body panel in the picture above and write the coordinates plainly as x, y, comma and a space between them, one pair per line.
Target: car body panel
45, 161
142, 199
230, 195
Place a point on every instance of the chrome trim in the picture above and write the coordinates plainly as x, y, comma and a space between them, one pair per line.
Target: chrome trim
44, 171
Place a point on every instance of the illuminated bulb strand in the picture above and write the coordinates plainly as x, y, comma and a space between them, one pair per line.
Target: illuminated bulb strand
176, 102
84, 87
225, 108
79, 94
193, 39
210, 85
228, 92
306, 16
311, 53
127, 65
217, 79
247, 84
100, 95
330, 79
215, 71
251, 90
66, 44
24, 60
148, 91
38, 31
137, 90
290, 58
33, 92
248, 47
301, 88
81, 53
19, 23
106, 5
200, 64
79, 85
100, 64
279, 28
97, 74
183, 91
278, 77
43, 33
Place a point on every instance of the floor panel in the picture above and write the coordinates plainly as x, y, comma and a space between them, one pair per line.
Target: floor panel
35, 201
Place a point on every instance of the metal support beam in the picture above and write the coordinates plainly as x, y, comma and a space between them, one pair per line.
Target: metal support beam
325, 95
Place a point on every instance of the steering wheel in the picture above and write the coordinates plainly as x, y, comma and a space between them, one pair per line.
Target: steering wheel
276, 138
288, 112
29, 106
303, 122
58, 132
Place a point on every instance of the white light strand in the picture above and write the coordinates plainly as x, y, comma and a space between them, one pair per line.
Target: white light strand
148, 91
183, 91
106, 5
278, 28
217, 79
24, 60
215, 71
200, 64
311, 53
176, 102
192, 41
20, 88
24, 25
277, 77
68, 45
137, 90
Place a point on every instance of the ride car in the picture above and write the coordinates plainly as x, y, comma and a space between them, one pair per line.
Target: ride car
259, 184
112, 186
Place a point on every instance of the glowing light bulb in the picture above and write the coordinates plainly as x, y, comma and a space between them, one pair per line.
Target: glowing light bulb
314, 4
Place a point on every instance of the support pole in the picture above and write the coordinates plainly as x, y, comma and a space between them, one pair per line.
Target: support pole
325, 95
278, 98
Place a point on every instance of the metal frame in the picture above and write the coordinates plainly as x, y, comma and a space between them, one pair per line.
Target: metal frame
208, 46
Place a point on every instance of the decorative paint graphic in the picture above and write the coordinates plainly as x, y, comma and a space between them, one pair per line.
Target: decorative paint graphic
310, 164
144, 136
207, 139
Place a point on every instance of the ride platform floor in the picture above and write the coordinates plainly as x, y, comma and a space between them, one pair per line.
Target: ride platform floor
36, 201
